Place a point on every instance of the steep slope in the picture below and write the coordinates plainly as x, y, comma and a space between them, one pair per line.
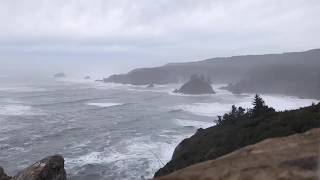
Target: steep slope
219, 140
294, 157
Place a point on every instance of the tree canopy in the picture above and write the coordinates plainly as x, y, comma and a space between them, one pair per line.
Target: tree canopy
237, 114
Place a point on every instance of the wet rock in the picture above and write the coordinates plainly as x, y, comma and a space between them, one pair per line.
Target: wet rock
49, 168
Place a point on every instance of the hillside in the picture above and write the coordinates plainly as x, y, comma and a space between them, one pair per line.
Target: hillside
295, 73
238, 129
292, 157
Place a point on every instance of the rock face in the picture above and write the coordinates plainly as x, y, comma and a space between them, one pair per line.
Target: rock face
196, 85
87, 77
49, 168
60, 75
292, 158
3, 175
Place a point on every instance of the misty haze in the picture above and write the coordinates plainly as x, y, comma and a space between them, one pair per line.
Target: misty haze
168, 89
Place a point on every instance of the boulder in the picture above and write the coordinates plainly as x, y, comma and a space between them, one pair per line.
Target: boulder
49, 168
196, 85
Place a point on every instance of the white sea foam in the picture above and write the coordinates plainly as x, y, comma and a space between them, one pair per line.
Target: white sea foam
17, 110
22, 89
105, 104
204, 109
197, 124
129, 155
279, 103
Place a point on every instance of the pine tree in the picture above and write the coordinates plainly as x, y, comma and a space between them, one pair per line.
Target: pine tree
259, 107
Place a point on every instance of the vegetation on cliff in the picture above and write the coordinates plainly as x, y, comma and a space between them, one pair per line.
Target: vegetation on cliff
240, 128
291, 157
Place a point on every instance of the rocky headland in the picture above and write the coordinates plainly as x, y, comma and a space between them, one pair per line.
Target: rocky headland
294, 73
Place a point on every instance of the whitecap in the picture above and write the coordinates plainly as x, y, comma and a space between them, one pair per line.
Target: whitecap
214, 109
17, 110
17, 89
197, 124
204, 109
129, 155
104, 104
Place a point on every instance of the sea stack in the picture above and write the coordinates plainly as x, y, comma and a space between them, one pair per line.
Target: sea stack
196, 85
150, 85
60, 75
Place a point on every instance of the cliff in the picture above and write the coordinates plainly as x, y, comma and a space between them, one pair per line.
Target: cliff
238, 132
294, 157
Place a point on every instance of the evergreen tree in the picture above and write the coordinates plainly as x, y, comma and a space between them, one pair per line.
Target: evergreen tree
259, 107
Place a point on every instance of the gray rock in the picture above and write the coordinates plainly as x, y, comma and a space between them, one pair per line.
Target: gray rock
196, 85
49, 168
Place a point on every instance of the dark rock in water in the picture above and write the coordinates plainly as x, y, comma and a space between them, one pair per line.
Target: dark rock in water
150, 85
87, 77
49, 168
60, 75
3, 175
196, 85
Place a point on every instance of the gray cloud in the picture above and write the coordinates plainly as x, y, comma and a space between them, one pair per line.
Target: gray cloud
158, 31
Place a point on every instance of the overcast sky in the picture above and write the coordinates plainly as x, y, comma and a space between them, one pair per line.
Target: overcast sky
111, 36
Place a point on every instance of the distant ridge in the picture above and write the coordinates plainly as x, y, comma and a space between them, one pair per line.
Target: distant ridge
297, 73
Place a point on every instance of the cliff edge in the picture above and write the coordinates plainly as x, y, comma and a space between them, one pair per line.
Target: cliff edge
294, 157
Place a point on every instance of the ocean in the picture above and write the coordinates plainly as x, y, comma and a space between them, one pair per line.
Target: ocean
106, 130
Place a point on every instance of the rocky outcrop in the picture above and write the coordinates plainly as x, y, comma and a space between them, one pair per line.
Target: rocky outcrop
196, 85
87, 77
3, 175
288, 158
214, 142
150, 85
49, 168
60, 75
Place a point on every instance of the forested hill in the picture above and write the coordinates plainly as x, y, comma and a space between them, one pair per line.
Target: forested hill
240, 128
295, 73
